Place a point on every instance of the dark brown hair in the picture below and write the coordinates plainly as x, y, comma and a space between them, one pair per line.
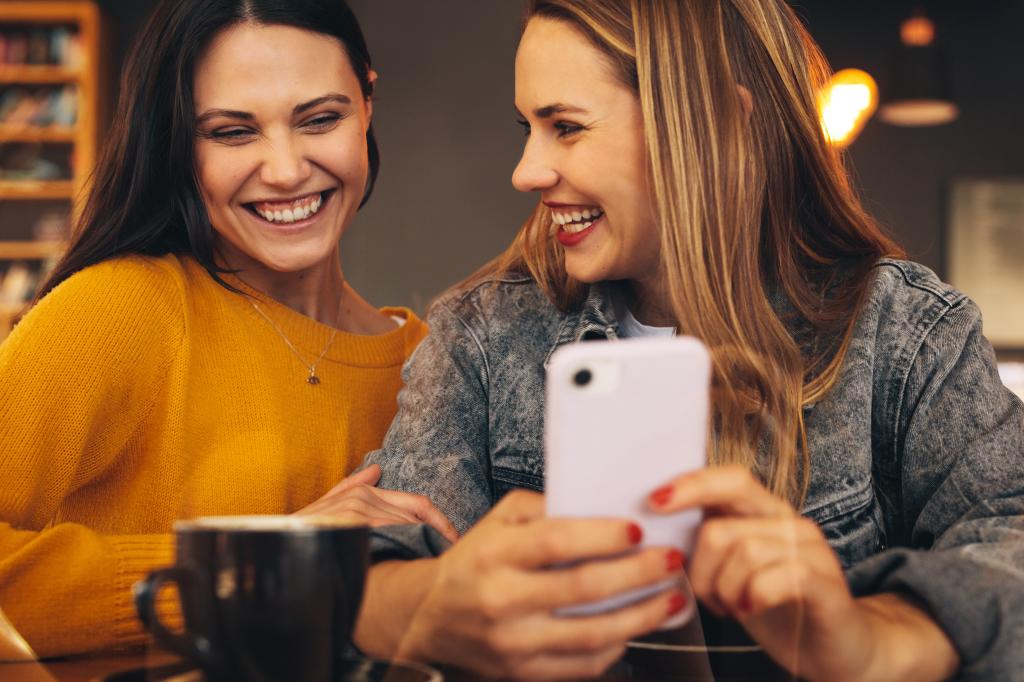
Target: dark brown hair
144, 195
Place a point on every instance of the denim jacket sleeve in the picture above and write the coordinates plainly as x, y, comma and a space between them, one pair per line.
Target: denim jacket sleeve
950, 466
437, 444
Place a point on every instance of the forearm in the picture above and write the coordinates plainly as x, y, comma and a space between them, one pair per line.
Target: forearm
394, 591
914, 647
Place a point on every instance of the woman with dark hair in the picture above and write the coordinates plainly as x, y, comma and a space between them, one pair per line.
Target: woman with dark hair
198, 351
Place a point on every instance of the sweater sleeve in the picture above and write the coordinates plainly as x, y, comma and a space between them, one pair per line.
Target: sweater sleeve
80, 374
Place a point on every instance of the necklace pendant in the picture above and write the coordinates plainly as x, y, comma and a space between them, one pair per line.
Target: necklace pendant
312, 380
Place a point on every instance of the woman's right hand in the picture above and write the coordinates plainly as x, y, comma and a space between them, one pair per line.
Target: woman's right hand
490, 606
355, 500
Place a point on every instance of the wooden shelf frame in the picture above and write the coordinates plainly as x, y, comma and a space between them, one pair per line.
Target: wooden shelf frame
37, 190
33, 133
30, 74
31, 250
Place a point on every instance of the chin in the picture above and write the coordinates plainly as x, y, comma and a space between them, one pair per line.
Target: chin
297, 262
587, 273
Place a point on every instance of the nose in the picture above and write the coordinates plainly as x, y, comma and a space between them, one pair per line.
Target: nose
285, 164
534, 172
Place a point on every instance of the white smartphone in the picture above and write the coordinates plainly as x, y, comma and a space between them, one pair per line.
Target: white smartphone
621, 420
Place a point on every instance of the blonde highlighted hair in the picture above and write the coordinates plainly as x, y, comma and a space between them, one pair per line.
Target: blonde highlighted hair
756, 211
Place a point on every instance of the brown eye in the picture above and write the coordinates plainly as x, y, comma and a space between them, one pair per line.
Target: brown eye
323, 122
230, 135
565, 128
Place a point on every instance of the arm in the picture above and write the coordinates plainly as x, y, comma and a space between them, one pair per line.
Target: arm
959, 449
438, 444
80, 375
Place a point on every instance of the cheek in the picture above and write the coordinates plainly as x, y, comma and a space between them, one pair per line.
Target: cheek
345, 157
218, 174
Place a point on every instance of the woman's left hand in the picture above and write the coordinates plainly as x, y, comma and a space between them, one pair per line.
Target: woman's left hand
760, 562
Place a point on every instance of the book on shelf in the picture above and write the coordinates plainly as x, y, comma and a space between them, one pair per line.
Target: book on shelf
39, 107
57, 45
18, 284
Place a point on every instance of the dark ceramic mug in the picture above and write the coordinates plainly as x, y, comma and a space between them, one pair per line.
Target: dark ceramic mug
264, 598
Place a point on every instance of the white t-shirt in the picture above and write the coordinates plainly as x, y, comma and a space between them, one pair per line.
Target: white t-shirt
632, 328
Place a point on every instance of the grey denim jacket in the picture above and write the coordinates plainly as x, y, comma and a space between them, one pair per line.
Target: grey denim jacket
917, 453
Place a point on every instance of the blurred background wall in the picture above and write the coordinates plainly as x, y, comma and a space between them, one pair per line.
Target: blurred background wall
444, 118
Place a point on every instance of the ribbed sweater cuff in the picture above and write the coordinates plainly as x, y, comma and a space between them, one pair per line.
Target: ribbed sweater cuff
137, 555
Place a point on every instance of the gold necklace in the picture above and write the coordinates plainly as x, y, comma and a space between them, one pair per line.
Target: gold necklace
312, 379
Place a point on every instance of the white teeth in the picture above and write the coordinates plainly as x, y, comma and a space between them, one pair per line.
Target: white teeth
577, 220
293, 214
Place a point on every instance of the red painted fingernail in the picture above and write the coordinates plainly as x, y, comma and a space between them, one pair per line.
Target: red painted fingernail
635, 533
674, 560
676, 604
661, 496
745, 605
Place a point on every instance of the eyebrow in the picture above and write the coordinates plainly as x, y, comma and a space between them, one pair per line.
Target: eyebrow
557, 108
299, 109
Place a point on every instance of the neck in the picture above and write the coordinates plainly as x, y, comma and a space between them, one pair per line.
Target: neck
315, 292
648, 301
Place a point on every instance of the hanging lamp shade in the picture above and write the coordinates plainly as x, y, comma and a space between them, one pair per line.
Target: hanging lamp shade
918, 92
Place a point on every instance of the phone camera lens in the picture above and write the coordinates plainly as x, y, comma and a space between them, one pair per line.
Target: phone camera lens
582, 377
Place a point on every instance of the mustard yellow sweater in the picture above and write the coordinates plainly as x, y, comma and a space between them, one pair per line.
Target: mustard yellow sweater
140, 391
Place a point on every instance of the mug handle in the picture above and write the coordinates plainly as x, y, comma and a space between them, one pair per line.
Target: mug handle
189, 645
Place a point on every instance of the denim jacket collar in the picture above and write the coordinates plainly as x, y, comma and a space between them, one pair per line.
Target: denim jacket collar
596, 319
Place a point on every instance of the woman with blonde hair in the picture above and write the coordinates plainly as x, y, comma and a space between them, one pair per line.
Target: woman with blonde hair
865, 499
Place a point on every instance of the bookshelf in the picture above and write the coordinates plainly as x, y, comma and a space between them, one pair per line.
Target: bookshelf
51, 82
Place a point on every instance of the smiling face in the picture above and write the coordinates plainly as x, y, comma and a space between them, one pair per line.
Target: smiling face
281, 151
585, 154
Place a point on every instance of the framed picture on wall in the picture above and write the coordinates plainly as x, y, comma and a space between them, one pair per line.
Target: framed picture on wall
985, 253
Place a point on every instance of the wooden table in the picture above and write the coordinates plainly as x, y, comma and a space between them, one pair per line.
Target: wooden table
93, 668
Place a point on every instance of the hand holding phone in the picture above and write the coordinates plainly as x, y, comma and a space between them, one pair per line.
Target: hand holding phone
623, 419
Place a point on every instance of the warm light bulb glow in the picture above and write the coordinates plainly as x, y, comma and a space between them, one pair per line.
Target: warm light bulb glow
918, 31
846, 104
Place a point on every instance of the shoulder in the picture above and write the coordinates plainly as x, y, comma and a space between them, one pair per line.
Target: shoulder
131, 296
126, 279
500, 322
906, 302
498, 304
915, 328
908, 281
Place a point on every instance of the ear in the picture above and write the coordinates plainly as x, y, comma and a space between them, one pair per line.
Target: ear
746, 100
372, 77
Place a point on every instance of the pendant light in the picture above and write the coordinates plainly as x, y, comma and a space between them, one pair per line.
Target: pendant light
918, 91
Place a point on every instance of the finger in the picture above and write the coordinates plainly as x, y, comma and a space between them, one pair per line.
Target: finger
422, 508
778, 584
550, 542
368, 476
585, 583
363, 501
587, 634
728, 549
571, 667
730, 490
756, 545
519, 506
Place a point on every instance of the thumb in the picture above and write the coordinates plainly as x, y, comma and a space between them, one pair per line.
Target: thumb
368, 476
